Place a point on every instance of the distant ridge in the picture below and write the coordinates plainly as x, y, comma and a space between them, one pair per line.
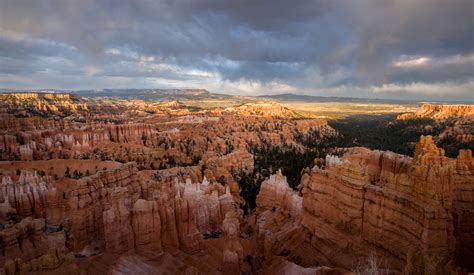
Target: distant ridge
310, 98
154, 94
203, 94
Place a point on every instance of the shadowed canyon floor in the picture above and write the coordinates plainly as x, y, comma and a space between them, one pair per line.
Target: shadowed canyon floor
115, 185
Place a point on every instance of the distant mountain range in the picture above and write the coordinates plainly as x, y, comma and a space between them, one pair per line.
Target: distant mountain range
154, 94
202, 94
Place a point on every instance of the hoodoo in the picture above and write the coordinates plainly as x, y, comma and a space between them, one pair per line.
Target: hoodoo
128, 186
414, 213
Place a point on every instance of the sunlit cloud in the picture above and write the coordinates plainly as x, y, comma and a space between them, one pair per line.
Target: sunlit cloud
412, 62
426, 61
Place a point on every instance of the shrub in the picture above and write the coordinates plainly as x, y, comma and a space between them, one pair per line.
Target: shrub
372, 265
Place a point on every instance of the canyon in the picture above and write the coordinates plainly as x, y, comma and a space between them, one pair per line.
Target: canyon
127, 186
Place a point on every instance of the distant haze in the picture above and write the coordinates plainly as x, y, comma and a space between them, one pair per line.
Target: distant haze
403, 49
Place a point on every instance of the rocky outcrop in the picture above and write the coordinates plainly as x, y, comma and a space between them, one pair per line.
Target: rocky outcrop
146, 224
240, 160
45, 103
28, 195
112, 211
29, 246
278, 229
130, 133
380, 201
173, 218
441, 111
276, 193
373, 203
184, 216
118, 232
265, 109
453, 122
98, 207
11, 123
233, 251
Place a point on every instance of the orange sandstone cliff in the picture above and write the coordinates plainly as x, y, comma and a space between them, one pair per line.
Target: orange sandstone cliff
413, 213
441, 111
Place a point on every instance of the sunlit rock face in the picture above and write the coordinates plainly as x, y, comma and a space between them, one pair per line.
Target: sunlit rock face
276, 193
441, 111
122, 131
278, 218
263, 108
456, 120
59, 104
373, 201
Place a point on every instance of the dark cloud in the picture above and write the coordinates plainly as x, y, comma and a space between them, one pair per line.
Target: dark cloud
225, 43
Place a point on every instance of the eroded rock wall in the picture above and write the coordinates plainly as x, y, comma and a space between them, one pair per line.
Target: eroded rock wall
112, 211
368, 202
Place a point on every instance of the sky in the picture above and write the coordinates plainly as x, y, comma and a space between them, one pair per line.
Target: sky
395, 49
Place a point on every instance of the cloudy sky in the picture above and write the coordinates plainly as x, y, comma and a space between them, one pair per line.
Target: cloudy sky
406, 49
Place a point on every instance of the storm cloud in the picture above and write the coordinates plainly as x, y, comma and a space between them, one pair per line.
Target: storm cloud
369, 48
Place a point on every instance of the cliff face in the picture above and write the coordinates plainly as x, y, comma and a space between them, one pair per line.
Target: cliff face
276, 193
116, 210
372, 201
42, 103
441, 111
278, 220
29, 247
454, 122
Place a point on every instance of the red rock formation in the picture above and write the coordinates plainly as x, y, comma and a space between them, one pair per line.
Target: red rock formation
278, 220
115, 197
118, 232
276, 193
106, 212
146, 224
190, 239
100, 209
130, 133
50, 103
33, 248
441, 111
455, 120
29, 195
265, 109
372, 200
13, 124
238, 159
233, 250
